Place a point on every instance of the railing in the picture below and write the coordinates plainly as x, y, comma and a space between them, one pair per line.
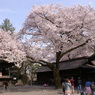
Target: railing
5, 76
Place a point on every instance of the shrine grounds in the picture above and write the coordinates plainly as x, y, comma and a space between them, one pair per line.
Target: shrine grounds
31, 90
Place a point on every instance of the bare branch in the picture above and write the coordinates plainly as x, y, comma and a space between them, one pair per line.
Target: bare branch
73, 48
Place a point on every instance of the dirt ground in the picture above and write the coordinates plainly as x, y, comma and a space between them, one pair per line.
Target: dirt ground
31, 90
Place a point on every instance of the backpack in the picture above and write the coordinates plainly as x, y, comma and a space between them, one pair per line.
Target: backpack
79, 82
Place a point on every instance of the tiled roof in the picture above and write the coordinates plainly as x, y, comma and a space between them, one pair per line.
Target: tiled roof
70, 64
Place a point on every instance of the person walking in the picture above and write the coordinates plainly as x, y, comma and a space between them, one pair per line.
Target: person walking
79, 83
63, 87
93, 88
67, 85
72, 84
88, 86
5, 85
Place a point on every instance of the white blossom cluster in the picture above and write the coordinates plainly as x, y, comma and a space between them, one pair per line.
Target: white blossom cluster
52, 28
10, 49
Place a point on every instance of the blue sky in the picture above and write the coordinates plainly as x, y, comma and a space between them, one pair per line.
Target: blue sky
17, 10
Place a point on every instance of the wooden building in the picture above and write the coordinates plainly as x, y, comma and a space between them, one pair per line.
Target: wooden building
5, 70
79, 67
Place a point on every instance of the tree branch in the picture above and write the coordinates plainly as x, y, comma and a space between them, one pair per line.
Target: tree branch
42, 62
50, 65
62, 54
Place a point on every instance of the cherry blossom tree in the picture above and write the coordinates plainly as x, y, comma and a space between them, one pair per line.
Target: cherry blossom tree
50, 32
11, 49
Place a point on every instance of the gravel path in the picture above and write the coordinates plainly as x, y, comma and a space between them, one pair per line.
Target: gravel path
31, 90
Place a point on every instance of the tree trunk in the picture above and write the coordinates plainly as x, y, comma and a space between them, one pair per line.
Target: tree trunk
57, 79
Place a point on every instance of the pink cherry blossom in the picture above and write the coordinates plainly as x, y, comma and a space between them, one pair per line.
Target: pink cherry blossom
10, 48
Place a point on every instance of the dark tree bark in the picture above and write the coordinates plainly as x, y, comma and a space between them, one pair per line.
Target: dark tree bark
56, 75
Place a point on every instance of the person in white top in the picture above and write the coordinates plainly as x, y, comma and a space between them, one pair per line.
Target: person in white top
67, 87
